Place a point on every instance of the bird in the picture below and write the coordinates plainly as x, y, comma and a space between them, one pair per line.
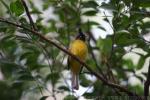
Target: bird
78, 47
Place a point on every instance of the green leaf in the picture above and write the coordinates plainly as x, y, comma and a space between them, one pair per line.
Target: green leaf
7, 92
17, 8
3, 27
8, 67
128, 63
92, 23
44, 97
71, 2
92, 63
90, 13
141, 62
89, 96
25, 77
102, 28
124, 38
142, 3
139, 77
70, 97
53, 77
123, 22
107, 6
17, 84
84, 82
89, 4
137, 88
87, 25
105, 45
64, 88
26, 55
146, 25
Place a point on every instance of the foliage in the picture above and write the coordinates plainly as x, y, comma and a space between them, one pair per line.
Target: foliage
28, 65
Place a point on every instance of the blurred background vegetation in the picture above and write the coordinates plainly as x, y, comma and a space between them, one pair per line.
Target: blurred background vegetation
32, 69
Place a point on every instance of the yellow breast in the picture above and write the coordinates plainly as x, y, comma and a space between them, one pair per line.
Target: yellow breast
79, 48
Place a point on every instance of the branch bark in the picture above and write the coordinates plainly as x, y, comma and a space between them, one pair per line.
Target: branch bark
89, 68
147, 84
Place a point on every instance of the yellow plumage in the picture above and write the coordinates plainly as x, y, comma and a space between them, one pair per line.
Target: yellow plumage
79, 48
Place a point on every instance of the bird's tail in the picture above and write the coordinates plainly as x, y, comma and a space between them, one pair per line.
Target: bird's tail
74, 81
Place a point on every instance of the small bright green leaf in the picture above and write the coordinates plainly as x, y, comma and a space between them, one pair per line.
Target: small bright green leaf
17, 8
128, 63
92, 23
35, 11
137, 88
141, 62
91, 62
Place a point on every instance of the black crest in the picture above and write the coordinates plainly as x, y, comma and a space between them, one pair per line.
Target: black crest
81, 35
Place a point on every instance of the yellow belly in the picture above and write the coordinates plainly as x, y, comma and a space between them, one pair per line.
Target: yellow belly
78, 48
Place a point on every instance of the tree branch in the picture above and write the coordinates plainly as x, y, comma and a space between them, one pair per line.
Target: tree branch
89, 68
29, 16
147, 84
112, 50
91, 37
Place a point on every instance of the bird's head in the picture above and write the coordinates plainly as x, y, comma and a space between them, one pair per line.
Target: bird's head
81, 36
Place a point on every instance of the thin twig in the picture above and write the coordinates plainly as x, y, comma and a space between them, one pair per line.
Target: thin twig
112, 50
35, 29
45, 52
53, 77
89, 68
7, 7
113, 37
108, 21
111, 54
91, 37
28, 14
110, 72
